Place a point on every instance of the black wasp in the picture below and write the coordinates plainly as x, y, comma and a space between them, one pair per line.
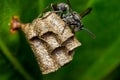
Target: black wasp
70, 17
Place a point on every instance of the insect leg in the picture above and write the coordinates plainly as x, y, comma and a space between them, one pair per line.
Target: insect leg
64, 26
72, 26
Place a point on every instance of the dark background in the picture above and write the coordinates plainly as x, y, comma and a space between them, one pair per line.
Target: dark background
96, 59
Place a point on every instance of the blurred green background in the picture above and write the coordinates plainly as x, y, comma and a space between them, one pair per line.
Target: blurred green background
96, 59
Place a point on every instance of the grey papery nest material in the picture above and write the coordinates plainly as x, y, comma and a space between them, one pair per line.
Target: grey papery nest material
52, 42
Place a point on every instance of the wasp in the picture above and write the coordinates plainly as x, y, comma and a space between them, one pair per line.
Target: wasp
70, 17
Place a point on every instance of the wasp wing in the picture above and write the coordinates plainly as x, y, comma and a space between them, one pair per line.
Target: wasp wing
84, 13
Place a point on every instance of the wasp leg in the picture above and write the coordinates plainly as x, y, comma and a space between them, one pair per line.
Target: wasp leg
50, 13
53, 10
72, 27
64, 27
47, 15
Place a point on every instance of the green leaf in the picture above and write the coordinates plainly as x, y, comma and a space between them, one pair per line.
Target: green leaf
107, 63
14, 62
96, 59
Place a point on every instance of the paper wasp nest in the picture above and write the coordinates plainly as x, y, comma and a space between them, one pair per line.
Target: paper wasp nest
52, 42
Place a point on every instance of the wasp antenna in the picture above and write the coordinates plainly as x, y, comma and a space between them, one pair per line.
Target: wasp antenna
86, 12
89, 32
